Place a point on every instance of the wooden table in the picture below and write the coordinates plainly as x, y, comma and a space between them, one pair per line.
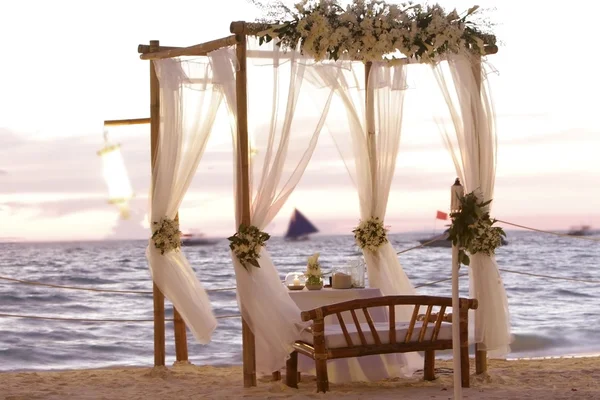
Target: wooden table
367, 368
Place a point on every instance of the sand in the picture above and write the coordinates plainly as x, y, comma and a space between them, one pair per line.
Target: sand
562, 378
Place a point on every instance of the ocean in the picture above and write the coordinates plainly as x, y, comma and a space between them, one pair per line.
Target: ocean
549, 317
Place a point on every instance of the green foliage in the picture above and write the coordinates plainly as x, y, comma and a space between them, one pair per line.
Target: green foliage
313, 280
472, 229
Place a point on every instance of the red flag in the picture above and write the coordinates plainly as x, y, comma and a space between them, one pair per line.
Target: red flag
441, 215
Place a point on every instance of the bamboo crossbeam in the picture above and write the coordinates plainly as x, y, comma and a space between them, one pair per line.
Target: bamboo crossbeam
253, 28
144, 48
120, 122
201, 49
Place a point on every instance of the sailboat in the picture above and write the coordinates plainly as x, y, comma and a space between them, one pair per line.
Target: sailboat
300, 227
196, 239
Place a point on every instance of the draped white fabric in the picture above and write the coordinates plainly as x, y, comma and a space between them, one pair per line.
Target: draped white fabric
387, 87
188, 106
284, 142
473, 149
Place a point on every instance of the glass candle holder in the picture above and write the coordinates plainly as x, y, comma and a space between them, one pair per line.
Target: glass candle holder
295, 280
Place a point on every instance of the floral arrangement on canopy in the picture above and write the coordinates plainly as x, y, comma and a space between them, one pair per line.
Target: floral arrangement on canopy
247, 243
370, 234
472, 229
372, 30
166, 235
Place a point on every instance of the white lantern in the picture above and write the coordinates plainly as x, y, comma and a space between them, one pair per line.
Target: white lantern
116, 177
456, 193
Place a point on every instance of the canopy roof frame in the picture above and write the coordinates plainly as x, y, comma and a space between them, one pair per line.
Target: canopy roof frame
240, 30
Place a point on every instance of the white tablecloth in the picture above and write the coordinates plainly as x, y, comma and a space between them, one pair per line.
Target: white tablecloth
367, 368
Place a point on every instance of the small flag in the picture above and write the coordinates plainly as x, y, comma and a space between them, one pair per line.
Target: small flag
441, 215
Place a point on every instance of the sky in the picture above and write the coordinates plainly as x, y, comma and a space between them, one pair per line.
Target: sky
69, 65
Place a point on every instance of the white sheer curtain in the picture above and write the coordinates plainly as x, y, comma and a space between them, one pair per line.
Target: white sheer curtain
188, 106
284, 136
473, 149
387, 85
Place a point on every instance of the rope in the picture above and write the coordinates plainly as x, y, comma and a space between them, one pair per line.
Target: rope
434, 282
435, 239
594, 239
93, 289
97, 320
78, 319
549, 277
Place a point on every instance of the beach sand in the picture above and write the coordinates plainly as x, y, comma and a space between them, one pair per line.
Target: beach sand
557, 378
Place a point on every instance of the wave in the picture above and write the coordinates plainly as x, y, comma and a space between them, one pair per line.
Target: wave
567, 292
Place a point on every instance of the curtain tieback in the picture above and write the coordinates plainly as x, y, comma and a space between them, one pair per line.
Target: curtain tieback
246, 245
472, 228
370, 234
166, 235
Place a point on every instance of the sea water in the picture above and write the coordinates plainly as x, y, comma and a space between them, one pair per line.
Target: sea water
549, 317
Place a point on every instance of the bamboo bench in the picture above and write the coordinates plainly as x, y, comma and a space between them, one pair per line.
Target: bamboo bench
367, 338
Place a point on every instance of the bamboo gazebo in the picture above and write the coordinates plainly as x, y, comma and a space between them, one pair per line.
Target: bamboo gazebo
238, 40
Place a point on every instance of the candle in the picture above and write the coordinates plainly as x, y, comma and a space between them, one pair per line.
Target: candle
296, 281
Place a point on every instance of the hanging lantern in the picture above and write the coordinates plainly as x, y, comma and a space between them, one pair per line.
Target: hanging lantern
116, 177
457, 192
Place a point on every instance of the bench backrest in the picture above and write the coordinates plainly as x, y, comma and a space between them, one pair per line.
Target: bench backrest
442, 303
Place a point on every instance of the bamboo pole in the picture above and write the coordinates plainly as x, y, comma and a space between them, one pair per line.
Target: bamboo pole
456, 360
120, 122
144, 48
480, 355
201, 49
181, 349
370, 125
243, 192
456, 192
157, 295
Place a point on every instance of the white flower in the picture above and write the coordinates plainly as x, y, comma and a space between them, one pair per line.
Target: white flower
166, 235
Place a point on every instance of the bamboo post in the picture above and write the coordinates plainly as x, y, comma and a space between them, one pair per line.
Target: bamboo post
181, 350
243, 190
370, 125
480, 355
455, 193
158, 297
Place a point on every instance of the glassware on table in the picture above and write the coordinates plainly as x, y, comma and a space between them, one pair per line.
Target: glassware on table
357, 271
295, 281
341, 278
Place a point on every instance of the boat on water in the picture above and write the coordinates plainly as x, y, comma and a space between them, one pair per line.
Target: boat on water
197, 239
583, 230
443, 241
300, 227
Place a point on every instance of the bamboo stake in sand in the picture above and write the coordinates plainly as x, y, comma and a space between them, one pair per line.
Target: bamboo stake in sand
243, 192
158, 296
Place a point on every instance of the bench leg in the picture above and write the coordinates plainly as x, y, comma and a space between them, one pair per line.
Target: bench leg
322, 378
429, 367
277, 375
291, 370
464, 366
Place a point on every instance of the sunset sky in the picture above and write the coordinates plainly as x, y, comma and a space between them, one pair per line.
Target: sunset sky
69, 65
